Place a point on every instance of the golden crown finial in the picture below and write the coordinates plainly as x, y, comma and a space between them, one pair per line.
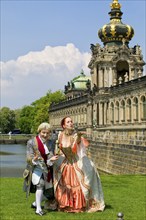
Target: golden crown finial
115, 4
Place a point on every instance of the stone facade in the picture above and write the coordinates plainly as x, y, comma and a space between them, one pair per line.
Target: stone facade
113, 110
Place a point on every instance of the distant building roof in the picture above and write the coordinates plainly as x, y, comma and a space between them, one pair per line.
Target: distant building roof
78, 83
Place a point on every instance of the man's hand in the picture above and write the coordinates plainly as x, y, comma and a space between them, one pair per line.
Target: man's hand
36, 157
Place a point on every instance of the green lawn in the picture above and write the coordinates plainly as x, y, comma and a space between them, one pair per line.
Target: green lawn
123, 193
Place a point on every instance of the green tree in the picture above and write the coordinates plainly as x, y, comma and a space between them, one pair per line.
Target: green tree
7, 120
17, 117
42, 105
29, 117
26, 119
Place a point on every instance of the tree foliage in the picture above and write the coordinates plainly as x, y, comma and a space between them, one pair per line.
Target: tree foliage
7, 120
38, 112
26, 119
29, 117
17, 117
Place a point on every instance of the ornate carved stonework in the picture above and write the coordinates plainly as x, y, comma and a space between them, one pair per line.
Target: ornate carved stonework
113, 108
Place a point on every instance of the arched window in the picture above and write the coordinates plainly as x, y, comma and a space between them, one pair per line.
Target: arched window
122, 111
135, 105
85, 116
112, 112
122, 68
128, 109
143, 108
117, 111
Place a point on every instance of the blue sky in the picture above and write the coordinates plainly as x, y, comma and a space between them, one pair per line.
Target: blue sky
51, 41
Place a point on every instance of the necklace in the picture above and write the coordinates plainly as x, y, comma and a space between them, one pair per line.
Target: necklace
68, 132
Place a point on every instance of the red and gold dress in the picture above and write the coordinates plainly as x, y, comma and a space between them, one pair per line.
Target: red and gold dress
76, 181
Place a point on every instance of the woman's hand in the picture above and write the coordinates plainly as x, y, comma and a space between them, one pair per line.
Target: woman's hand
54, 158
77, 136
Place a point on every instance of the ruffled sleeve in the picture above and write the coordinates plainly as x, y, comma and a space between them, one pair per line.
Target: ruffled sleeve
81, 147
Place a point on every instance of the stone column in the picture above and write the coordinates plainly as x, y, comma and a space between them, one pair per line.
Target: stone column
94, 76
105, 113
100, 77
106, 77
114, 79
100, 113
95, 113
110, 77
89, 113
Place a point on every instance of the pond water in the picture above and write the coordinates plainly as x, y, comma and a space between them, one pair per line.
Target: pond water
12, 160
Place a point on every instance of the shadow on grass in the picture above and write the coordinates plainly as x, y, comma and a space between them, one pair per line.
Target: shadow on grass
107, 206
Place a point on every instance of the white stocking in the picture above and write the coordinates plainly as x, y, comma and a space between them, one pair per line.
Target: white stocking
39, 195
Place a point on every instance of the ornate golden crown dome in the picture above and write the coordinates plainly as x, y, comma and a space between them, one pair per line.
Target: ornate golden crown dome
115, 31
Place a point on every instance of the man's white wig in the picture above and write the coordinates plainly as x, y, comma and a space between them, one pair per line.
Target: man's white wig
44, 125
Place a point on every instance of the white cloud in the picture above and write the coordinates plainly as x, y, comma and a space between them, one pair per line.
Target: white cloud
30, 77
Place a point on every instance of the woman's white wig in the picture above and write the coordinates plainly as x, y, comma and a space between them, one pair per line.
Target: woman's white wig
44, 125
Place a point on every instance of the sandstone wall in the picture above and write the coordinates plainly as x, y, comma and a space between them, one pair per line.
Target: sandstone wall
118, 158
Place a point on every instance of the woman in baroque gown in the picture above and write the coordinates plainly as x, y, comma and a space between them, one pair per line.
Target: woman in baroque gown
77, 183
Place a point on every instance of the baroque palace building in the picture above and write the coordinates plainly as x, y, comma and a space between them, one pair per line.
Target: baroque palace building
111, 104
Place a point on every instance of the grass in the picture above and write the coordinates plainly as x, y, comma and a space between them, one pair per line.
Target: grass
123, 193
